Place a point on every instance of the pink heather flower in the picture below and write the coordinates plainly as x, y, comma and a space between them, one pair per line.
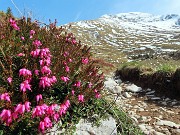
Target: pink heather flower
13, 24
20, 109
32, 32
9, 80
74, 41
95, 91
25, 85
36, 72
77, 84
53, 79
21, 54
81, 98
97, 95
66, 54
47, 61
62, 109
90, 85
45, 53
35, 53
41, 126
39, 110
45, 82
51, 109
22, 38
72, 92
37, 43
56, 117
85, 60
45, 70
70, 60
38, 97
31, 36
67, 69
5, 96
27, 106
47, 122
65, 79
67, 103
14, 115
6, 116
25, 72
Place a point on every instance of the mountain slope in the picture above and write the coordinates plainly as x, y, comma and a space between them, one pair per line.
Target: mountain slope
116, 38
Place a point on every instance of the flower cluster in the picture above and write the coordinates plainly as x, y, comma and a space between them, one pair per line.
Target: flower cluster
45, 74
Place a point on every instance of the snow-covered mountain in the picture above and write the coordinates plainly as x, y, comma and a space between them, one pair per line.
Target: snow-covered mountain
117, 37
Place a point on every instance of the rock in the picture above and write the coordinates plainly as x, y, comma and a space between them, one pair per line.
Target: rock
150, 92
110, 84
117, 90
142, 127
126, 95
135, 120
133, 88
107, 127
167, 123
158, 133
118, 81
155, 98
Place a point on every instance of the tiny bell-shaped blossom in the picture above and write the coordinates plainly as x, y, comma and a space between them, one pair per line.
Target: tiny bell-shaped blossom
38, 97
20, 109
81, 98
9, 80
35, 53
6, 116
5, 96
67, 69
13, 24
97, 95
37, 43
32, 32
36, 72
77, 84
85, 60
21, 54
70, 60
25, 85
27, 106
90, 85
72, 92
45, 70
25, 72
64, 78
22, 38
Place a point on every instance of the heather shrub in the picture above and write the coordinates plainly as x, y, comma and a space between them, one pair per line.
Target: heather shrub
44, 74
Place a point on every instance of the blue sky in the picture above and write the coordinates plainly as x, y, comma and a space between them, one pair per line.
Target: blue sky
66, 11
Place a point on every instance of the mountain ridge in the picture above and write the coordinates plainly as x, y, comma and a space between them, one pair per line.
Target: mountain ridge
126, 34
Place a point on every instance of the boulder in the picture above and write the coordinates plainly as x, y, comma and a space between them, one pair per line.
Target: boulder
133, 88
107, 127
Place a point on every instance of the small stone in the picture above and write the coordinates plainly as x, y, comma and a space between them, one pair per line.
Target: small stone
155, 98
133, 88
167, 123
150, 92
158, 133
141, 109
142, 127
126, 95
117, 90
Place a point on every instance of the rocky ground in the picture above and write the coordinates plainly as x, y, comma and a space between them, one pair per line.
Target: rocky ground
154, 114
